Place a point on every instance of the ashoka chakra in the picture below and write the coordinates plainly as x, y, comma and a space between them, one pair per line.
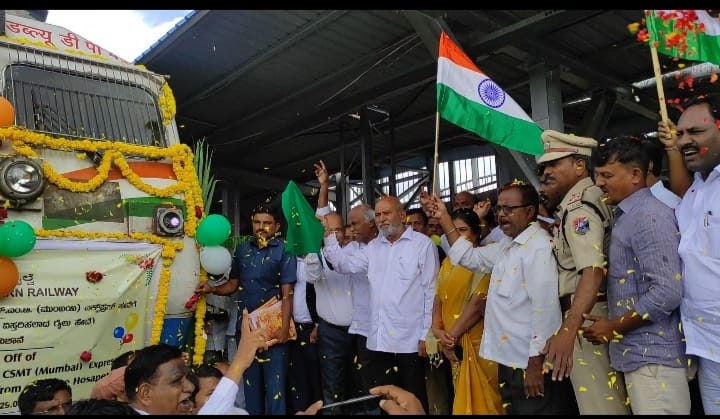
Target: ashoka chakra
491, 94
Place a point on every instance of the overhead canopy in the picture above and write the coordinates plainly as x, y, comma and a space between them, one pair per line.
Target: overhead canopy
274, 91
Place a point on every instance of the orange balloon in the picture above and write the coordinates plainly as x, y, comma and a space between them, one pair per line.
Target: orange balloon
7, 113
9, 276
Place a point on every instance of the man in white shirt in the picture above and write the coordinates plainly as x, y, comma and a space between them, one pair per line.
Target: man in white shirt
698, 215
522, 306
402, 267
335, 309
361, 220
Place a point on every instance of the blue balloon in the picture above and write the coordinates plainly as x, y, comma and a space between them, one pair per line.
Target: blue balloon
119, 332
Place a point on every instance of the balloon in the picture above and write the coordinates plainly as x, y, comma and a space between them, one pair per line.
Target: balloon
119, 332
21, 238
7, 112
9, 276
213, 230
436, 239
4, 240
216, 260
131, 321
127, 338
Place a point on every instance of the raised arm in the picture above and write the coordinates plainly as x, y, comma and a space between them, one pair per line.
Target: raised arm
322, 176
680, 179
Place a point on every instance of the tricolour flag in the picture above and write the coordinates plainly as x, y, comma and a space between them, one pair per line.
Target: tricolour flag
467, 97
687, 34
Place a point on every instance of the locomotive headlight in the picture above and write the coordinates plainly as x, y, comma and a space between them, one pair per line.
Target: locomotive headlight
22, 180
168, 221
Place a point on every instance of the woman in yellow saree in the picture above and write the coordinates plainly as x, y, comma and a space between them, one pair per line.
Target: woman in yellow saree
458, 312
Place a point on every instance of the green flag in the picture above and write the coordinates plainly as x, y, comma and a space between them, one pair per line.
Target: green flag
304, 232
687, 34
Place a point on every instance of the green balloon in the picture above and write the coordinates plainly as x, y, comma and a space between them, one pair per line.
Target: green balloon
213, 230
17, 238
4, 240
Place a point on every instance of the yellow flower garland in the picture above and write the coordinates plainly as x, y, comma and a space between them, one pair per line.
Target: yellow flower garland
200, 310
114, 152
166, 100
167, 104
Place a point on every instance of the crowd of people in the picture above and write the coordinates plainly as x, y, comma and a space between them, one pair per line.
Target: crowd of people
592, 294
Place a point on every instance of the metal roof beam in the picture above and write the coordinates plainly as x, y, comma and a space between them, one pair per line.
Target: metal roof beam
321, 83
260, 180
518, 33
267, 54
539, 24
599, 74
331, 112
428, 28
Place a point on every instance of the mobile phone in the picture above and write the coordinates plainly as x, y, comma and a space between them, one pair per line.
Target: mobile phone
362, 404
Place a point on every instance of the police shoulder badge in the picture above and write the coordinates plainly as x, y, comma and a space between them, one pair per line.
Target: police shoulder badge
581, 225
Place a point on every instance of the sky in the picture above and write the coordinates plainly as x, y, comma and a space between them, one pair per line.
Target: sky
125, 33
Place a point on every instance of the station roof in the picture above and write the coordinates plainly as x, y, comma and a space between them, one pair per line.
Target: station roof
274, 91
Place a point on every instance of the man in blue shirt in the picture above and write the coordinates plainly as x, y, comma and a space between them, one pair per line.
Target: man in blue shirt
266, 271
643, 285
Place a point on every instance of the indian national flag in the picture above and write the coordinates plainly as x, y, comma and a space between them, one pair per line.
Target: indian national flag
467, 97
687, 34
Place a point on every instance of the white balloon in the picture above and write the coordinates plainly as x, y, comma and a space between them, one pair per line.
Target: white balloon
215, 260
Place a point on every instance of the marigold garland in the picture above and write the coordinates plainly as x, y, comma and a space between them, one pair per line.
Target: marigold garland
166, 100
187, 184
200, 310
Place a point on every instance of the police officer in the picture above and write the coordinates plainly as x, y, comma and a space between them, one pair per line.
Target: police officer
581, 238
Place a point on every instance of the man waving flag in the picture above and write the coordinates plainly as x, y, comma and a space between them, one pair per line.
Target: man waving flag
467, 97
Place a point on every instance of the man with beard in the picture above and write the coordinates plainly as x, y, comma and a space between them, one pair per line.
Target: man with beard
698, 143
266, 271
580, 245
402, 268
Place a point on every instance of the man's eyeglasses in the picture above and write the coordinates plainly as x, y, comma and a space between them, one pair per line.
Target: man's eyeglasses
55, 409
337, 230
508, 209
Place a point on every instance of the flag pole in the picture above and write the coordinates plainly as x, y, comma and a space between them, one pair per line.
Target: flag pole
658, 82
435, 162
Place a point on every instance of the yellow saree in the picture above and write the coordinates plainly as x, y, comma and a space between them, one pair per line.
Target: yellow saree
475, 379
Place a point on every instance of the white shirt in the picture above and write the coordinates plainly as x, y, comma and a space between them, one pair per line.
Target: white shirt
403, 278
359, 289
665, 195
494, 236
698, 218
301, 312
333, 291
222, 400
360, 324
522, 309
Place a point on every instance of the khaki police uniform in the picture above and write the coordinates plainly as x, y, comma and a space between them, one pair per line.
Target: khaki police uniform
581, 239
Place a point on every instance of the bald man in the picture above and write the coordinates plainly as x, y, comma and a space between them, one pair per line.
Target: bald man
464, 199
402, 267
334, 305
